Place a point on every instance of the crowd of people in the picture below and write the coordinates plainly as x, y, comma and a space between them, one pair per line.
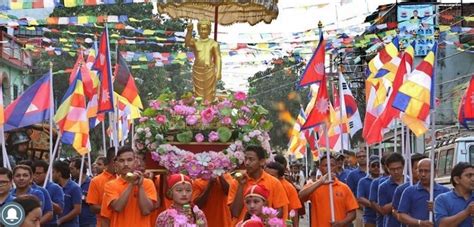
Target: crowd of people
117, 191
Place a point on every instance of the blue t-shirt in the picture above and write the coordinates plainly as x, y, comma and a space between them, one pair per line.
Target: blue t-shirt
342, 176
449, 204
353, 179
385, 196
8, 199
363, 190
48, 206
72, 196
373, 197
34, 192
397, 195
57, 196
86, 217
414, 201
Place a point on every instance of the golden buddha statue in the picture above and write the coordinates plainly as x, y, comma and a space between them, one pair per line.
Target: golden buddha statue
207, 63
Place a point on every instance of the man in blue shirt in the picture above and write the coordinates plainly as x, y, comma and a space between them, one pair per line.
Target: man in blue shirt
86, 218
72, 195
413, 208
6, 177
456, 207
374, 191
395, 163
23, 177
55, 192
341, 173
48, 207
397, 195
363, 190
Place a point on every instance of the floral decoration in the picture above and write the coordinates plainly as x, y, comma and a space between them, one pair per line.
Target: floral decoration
269, 217
233, 120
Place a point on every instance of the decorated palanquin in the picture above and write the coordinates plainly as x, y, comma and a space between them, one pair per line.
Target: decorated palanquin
199, 138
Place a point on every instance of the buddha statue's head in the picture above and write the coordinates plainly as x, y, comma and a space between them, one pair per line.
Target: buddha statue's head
204, 28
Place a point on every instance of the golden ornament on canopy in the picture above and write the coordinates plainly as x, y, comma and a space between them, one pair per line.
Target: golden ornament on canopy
224, 12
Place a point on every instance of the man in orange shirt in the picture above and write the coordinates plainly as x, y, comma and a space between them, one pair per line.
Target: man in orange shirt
254, 163
129, 199
345, 204
96, 187
211, 197
278, 171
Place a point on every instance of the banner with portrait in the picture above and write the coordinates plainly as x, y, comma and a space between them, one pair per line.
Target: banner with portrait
417, 24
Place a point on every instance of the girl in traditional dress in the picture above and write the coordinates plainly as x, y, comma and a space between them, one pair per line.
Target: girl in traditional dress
258, 214
181, 213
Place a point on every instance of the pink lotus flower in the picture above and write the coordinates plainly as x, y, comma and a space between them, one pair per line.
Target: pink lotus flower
245, 109
199, 137
143, 119
213, 136
226, 121
160, 119
191, 120
240, 95
275, 222
242, 122
208, 115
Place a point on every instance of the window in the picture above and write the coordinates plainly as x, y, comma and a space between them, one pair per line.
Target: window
449, 161
471, 154
442, 163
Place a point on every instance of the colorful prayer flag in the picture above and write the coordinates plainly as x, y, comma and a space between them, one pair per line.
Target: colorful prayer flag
31, 107
71, 117
415, 97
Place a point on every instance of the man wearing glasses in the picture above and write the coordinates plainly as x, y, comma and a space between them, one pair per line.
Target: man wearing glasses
363, 189
395, 164
353, 179
6, 177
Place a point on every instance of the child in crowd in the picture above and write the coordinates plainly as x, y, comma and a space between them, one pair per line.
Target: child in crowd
181, 213
258, 214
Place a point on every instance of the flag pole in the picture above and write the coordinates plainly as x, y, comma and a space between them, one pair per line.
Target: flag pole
104, 143
405, 171
114, 128
6, 161
328, 159
395, 145
133, 132
82, 169
433, 124
408, 154
367, 151
51, 111
49, 174
89, 162
341, 114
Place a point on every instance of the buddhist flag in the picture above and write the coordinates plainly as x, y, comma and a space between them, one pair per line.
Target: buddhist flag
124, 84
315, 70
71, 117
415, 97
320, 112
104, 68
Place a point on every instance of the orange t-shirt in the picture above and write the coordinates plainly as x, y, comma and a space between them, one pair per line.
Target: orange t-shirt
164, 204
131, 215
276, 199
96, 190
216, 205
292, 194
344, 202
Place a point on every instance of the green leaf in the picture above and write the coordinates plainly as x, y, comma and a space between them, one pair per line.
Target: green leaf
185, 137
260, 110
224, 134
226, 111
267, 125
149, 112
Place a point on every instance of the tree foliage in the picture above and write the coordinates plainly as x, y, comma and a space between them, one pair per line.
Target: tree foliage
275, 89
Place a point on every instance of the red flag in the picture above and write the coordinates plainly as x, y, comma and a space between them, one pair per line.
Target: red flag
466, 109
103, 67
124, 84
315, 70
320, 112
